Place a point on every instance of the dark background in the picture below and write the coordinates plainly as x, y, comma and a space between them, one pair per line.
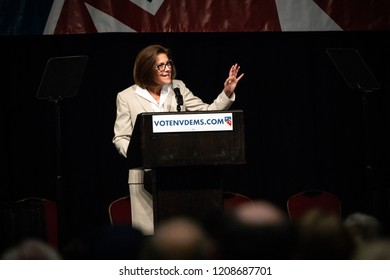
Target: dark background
304, 127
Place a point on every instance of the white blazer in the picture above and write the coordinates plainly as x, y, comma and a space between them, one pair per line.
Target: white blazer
129, 105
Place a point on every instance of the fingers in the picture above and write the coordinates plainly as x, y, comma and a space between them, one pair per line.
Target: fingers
234, 70
239, 78
232, 80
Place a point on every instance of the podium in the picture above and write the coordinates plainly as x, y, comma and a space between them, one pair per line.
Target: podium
187, 153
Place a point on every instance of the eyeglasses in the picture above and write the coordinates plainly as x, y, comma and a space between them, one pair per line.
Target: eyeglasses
161, 67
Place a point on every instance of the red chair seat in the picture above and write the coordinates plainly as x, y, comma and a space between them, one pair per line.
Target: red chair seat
232, 199
50, 221
119, 211
299, 204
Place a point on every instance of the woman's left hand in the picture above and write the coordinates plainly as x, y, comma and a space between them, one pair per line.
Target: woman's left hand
232, 81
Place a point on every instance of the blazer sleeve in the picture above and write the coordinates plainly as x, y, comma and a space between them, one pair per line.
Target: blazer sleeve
123, 126
194, 103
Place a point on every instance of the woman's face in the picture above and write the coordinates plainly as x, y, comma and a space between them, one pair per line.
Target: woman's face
163, 69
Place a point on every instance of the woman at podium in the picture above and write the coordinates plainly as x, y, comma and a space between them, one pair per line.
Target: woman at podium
156, 90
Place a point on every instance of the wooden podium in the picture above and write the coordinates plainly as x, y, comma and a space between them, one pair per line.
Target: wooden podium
187, 152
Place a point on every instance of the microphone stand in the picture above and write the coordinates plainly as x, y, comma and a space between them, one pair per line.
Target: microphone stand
61, 78
358, 76
179, 98
369, 168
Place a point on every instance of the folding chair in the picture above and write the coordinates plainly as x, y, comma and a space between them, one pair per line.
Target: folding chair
232, 199
119, 211
37, 217
300, 203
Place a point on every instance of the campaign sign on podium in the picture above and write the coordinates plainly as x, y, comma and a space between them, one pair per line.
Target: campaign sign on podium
187, 153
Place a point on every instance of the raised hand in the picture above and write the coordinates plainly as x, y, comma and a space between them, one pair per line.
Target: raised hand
231, 82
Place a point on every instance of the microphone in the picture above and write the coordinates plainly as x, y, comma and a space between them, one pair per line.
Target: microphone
179, 97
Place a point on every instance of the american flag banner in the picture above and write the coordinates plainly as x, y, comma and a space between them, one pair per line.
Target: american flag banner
93, 16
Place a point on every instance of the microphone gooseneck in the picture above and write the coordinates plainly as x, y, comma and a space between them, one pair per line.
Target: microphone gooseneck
179, 97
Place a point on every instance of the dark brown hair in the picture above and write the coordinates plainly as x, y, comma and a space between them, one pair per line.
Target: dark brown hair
145, 65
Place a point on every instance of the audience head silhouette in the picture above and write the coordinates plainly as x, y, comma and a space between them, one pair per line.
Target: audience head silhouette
363, 227
179, 238
322, 236
378, 249
256, 230
32, 249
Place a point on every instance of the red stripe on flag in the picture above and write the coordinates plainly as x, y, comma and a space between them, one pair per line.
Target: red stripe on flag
352, 15
175, 16
74, 18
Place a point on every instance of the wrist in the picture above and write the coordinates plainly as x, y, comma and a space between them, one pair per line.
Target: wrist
228, 94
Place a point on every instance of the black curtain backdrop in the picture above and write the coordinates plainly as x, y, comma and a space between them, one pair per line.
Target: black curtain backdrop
304, 127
